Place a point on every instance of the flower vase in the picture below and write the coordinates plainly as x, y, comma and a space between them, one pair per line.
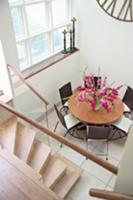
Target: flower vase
97, 107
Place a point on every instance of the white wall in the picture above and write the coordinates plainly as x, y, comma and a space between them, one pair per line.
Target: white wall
48, 83
104, 42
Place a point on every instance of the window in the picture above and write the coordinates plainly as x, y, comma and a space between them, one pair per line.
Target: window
38, 27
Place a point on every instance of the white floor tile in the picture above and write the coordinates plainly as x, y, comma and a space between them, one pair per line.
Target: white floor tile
113, 161
81, 190
52, 118
54, 144
109, 188
112, 181
101, 153
116, 148
81, 143
97, 171
71, 155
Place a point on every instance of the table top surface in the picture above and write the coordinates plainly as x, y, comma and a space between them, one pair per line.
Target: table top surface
84, 112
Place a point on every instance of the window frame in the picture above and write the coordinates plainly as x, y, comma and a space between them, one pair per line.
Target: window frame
49, 31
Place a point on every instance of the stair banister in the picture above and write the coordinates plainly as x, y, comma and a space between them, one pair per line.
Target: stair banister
110, 195
63, 140
19, 75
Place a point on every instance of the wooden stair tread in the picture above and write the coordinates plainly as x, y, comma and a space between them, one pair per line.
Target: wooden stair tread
20, 165
8, 133
65, 184
24, 140
16, 185
39, 156
54, 171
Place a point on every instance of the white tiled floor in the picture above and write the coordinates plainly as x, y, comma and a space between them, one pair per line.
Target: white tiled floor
87, 181
93, 176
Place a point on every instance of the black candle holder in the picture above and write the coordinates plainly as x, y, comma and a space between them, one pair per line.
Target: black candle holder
71, 41
73, 30
72, 47
64, 33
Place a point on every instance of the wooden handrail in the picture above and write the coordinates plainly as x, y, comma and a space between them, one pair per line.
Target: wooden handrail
63, 140
104, 194
19, 75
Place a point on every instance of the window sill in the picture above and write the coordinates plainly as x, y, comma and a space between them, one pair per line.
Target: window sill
45, 64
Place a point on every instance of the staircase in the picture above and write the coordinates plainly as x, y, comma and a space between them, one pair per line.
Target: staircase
35, 159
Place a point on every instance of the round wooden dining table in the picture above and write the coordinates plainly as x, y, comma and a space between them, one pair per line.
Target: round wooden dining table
84, 112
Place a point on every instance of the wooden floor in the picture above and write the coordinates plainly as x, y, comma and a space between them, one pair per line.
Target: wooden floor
15, 185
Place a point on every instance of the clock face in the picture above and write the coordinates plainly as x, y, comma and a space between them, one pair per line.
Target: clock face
118, 9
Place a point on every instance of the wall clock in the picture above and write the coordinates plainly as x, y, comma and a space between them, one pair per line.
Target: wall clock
118, 9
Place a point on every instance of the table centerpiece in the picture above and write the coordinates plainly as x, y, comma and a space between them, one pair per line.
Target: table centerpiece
97, 92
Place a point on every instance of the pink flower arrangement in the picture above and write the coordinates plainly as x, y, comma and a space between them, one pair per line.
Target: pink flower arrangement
96, 92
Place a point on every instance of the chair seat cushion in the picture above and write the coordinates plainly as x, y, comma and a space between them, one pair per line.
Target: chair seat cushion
126, 108
66, 104
123, 123
71, 121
